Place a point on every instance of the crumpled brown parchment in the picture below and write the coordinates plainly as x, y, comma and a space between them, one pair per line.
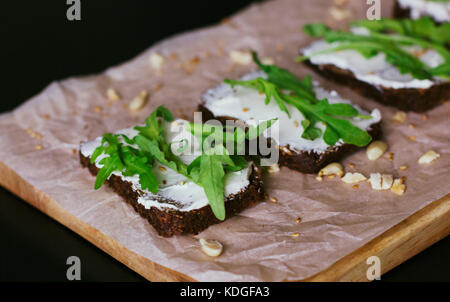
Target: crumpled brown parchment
336, 219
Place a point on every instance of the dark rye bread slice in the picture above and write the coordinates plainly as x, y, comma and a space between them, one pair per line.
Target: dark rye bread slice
169, 222
407, 99
304, 161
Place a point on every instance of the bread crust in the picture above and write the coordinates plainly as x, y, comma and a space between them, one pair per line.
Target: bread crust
406, 99
169, 222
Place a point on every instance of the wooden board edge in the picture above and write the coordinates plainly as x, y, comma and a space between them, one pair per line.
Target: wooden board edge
396, 245
150, 270
393, 247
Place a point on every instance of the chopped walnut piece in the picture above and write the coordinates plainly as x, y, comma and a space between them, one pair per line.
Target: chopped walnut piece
138, 102
398, 187
156, 62
240, 57
112, 95
428, 157
380, 181
332, 169
399, 116
353, 178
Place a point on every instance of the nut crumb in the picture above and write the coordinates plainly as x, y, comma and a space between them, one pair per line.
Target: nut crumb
398, 187
267, 61
376, 149
412, 126
298, 220
403, 168
274, 199
46, 116
38, 147
138, 102
274, 168
353, 178
295, 234
98, 108
211, 247
156, 62
356, 186
245, 109
162, 169
399, 116
240, 57
74, 151
380, 181
351, 165
428, 157
112, 95
391, 156
339, 13
333, 168
412, 138
425, 117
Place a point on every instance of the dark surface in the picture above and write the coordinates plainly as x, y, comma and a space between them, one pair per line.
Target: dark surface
39, 45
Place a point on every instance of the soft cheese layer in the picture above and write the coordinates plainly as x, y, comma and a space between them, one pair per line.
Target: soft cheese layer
375, 70
248, 105
439, 11
186, 195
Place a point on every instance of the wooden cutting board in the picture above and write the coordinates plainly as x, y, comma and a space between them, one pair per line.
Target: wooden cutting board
393, 247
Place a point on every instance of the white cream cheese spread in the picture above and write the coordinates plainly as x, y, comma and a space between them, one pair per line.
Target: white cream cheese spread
375, 70
248, 105
439, 11
185, 194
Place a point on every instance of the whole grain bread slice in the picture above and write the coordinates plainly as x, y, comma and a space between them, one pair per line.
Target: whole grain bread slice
168, 221
407, 99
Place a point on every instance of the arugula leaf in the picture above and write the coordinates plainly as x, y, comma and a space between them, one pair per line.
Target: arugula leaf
283, 79
312, 109
137, 163
421, 32
207, 170
266, 87
210, 177
422, 28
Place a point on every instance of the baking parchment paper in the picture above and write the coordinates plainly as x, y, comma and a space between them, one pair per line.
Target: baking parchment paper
336, 219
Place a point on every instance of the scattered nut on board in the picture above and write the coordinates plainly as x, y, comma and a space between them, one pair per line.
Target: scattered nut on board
332, 169
353, 178
112, 95
240, 57
156, 61
376, 149
267, 61
380, 181
428, 157
138, 102
399, 116
211, 247
274, 168
398, 187
339, 13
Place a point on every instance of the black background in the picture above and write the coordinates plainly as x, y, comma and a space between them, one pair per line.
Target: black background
39, 45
